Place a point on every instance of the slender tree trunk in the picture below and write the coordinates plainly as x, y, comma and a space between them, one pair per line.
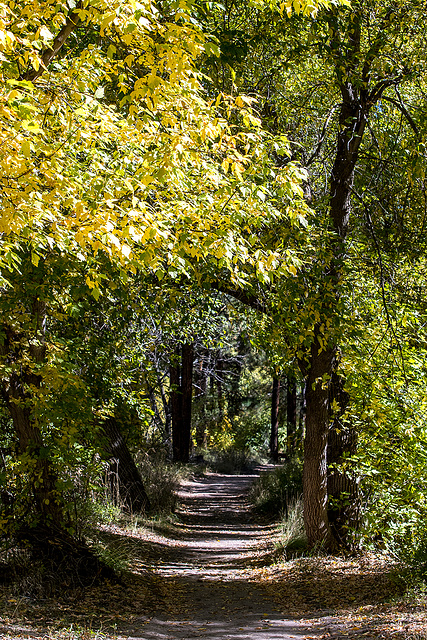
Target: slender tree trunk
176, 404
202, 382
219, 381
131, 488
187, 398
291, 414
274, 433
166, 409
181, 379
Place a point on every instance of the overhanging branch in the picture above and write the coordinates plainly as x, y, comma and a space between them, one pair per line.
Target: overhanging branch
49, 54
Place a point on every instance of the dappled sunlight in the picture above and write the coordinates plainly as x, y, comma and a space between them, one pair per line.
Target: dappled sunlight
271, 628
208, 575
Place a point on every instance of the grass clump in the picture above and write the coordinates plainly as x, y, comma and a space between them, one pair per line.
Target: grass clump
293, 540
161, 480
274, 491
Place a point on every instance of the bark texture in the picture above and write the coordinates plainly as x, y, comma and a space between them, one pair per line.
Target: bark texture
343, 483
358, 98
316, 520
130, 486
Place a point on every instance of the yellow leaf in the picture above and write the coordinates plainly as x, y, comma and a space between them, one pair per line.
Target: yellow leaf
26, 148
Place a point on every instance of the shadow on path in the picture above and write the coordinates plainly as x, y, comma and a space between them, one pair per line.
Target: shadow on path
209, 567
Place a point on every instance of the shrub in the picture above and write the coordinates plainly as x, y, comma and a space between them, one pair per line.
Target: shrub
231, 461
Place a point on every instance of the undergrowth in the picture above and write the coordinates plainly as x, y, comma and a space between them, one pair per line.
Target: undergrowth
231, 461
273, 492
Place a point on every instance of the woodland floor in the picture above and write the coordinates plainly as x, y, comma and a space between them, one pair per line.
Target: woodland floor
213, 575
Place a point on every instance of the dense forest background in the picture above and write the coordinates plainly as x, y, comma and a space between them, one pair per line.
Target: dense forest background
213, 244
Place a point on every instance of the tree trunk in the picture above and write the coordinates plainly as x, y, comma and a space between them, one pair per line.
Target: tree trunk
291, 414
181, 379
47, 500
316, 521
354, 110
176, 404
18, 392
187, 398
202, 384
274, 433
131, 488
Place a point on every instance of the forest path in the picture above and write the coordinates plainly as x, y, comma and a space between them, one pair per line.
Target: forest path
210, 567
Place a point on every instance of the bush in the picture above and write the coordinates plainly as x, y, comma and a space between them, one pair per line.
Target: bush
274, 491
412, 549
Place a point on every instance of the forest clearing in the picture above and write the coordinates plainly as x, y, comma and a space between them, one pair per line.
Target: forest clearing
213, 319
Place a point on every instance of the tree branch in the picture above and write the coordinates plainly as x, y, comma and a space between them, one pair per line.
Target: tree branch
49, 54
399, 104
241, 296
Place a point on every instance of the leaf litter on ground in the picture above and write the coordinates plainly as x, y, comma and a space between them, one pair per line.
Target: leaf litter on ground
331, 597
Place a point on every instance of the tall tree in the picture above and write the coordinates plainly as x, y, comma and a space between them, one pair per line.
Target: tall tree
181, 379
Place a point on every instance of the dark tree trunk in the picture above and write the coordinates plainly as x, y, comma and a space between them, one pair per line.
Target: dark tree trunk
202, 384
130, 486
18, 392
219, 381
187, 398
291, 414
274, 433
316, 521
176, 404
234, 395
181, 379
48, 504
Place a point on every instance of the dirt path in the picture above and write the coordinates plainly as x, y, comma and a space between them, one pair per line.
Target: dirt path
210, 566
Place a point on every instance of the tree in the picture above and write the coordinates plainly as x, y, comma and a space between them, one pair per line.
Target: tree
274, 434
181, 379
356, 67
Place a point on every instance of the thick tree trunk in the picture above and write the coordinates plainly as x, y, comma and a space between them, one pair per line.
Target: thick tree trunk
130, 485
181, 379
354, 111
316, 521
274, 433
18, 392
47, 501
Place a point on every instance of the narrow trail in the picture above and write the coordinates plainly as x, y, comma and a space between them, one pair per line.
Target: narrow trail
211, 565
